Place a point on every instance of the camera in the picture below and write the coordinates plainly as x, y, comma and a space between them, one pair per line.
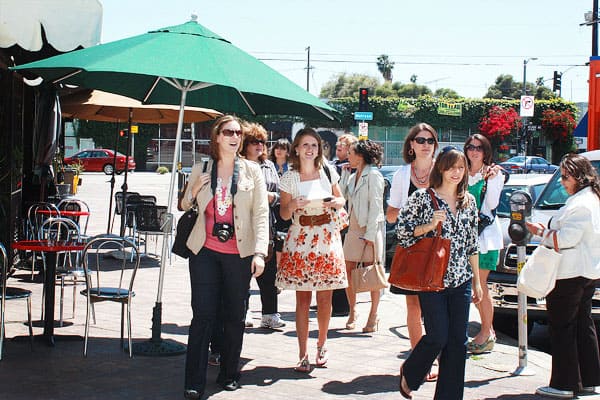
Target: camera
223, 232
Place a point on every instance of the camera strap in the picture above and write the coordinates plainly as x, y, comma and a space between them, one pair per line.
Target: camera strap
234, 184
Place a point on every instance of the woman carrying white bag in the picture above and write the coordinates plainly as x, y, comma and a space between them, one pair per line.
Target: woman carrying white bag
575, 355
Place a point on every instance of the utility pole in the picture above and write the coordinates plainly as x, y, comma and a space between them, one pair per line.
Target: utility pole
308, 68
595, 28
524, 92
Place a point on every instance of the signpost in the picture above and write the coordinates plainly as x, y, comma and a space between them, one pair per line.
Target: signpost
363, 131
363, 116
526, 106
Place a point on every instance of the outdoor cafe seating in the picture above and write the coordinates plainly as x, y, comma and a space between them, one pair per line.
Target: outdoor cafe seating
37, 213
151, 220
111, 281
68, 262
11, 293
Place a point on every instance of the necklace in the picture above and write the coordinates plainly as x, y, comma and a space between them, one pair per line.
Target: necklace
223, 196
473, 179
420, 180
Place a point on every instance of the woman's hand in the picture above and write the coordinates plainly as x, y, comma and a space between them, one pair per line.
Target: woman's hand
438, 216
334, 202
492, 171
258, 266
477, 292
535, 228
297, 203
367, 241
202, 180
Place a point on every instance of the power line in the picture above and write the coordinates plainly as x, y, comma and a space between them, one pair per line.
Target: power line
416, 62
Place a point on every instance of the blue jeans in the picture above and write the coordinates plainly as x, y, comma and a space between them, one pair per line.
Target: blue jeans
446, 315
219, 282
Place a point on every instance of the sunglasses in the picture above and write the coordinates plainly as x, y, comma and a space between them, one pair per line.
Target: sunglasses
472, 147
231, 132
422, 140
257, 142
448, 148
565, 176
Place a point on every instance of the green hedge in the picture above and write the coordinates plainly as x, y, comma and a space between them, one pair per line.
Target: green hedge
424, 109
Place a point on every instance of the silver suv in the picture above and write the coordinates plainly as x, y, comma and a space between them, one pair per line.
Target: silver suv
503, 281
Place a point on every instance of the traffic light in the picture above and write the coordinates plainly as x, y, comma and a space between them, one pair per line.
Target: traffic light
557, 82
363, 99
123, 133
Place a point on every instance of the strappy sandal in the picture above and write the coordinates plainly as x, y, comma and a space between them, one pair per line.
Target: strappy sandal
432, 376
322, 357
403, 392
484, 347
303, 365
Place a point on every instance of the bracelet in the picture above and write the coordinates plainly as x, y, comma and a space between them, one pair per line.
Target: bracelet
261, 255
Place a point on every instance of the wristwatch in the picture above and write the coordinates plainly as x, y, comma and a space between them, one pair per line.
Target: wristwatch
261, 255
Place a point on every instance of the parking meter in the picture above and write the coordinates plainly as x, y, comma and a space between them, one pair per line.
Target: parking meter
520, 212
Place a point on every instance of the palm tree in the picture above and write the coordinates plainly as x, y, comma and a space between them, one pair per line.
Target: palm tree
385, 66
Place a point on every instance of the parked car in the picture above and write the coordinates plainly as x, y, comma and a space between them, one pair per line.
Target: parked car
100, 160
503, 282
525, 165
388, 172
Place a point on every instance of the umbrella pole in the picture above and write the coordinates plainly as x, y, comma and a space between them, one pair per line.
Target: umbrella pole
157, 346
124, 186
112, 181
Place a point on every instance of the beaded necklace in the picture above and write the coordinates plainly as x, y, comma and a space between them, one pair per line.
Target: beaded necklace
223, 195
420, 180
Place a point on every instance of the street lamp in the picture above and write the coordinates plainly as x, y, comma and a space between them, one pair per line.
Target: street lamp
524, 93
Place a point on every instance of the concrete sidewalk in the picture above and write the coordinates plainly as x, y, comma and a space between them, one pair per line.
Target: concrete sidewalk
361, 365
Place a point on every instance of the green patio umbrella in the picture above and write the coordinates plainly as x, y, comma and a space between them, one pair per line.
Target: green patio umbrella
186, 65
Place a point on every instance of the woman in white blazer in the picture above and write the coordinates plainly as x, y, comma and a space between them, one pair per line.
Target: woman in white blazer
365, 238
575, 355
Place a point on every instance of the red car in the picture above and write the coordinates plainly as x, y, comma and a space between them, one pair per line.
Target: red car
97, 160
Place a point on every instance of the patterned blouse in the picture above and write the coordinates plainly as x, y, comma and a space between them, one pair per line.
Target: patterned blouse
461, 229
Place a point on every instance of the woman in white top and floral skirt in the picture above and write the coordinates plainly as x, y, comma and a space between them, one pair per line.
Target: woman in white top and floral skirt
312, 257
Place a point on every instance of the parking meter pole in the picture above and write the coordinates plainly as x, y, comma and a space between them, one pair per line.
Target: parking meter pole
522, 369
520, 211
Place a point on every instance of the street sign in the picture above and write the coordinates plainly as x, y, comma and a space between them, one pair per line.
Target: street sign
526, 106
363, 116
363, 131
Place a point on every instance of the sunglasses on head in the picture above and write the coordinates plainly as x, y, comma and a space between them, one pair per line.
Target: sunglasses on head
448, 148
257, 141
472, 147
231, 132
422, 140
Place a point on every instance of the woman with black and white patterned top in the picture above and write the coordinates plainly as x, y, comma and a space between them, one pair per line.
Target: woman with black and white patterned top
446, 312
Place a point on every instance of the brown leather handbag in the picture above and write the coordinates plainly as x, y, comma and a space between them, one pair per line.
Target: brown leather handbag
422, 266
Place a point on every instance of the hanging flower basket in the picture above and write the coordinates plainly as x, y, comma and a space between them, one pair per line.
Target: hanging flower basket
557, 125
499, 123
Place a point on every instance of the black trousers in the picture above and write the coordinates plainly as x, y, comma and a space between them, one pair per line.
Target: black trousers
266, 284
219, 282
575, 357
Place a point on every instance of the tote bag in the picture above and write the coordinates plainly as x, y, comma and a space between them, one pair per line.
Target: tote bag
422, 266
369, 277
538, 277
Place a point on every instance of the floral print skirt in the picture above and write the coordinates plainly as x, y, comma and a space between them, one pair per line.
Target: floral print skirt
312, 259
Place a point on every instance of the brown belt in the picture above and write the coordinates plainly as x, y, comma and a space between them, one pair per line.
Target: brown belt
314, 220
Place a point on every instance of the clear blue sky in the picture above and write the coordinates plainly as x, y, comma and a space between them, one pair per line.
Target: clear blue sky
463, 45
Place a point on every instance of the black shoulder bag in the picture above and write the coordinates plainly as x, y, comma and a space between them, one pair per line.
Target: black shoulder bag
484, 220
184, 228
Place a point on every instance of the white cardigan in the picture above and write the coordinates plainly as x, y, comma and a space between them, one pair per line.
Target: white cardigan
491, 237
578, 233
